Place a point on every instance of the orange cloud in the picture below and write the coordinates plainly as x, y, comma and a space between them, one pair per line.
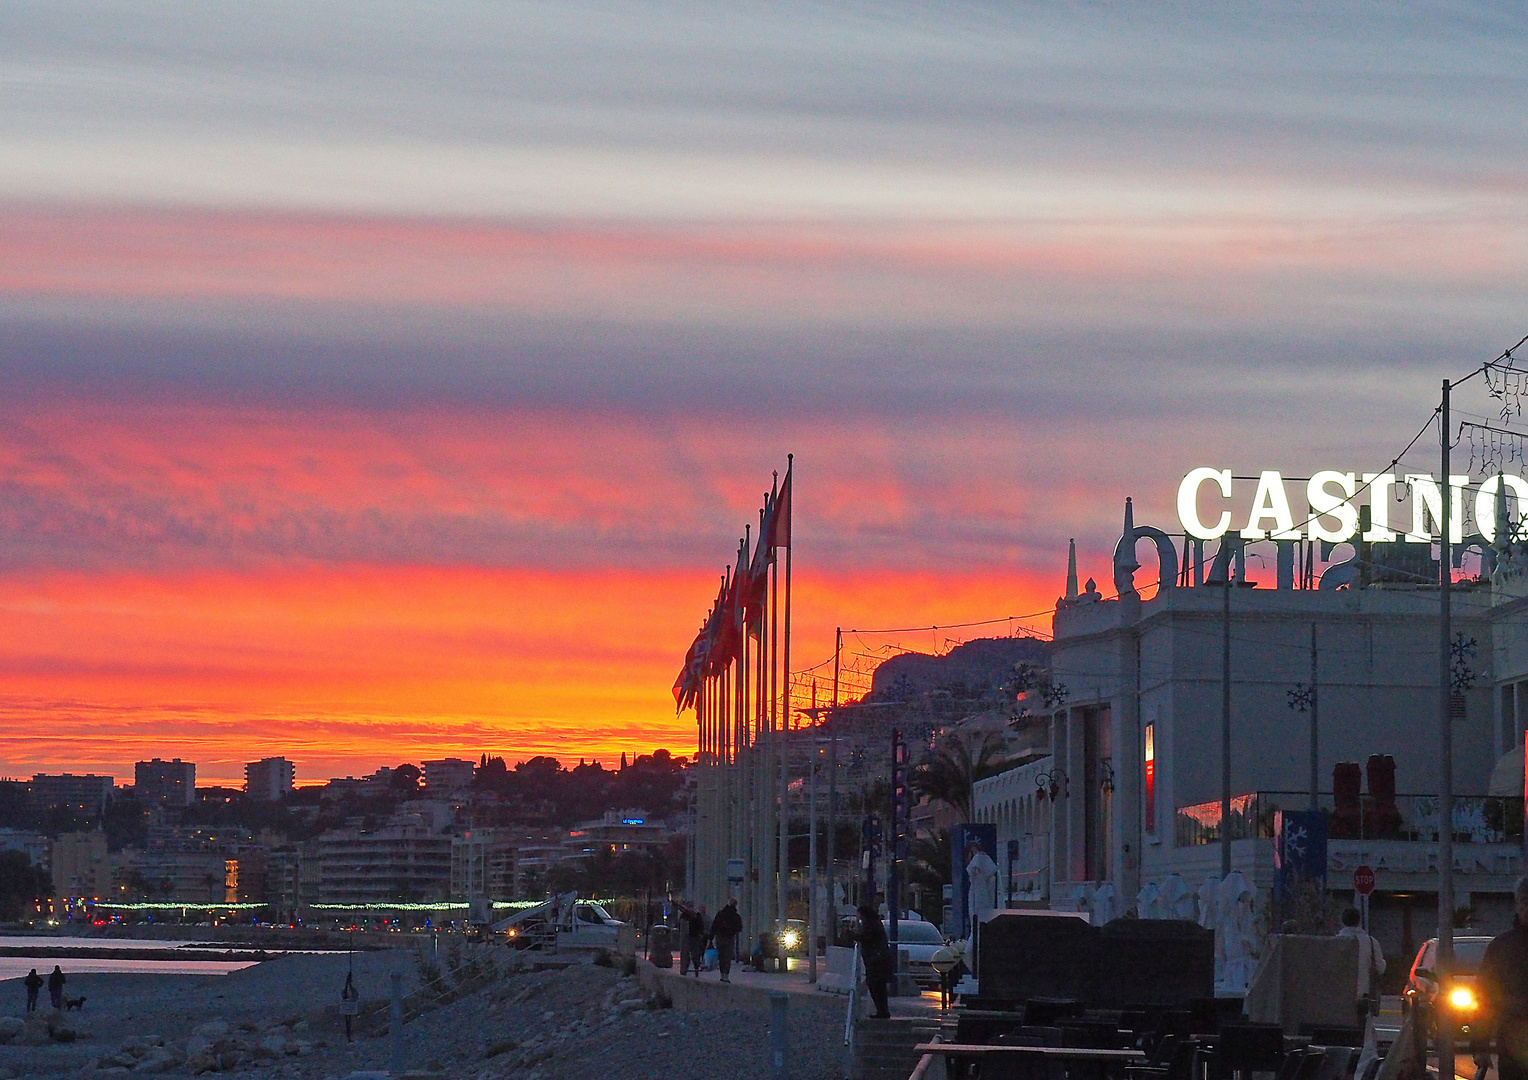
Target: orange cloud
345, 669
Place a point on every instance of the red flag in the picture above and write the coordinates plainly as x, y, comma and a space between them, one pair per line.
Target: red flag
757, 586
724, 648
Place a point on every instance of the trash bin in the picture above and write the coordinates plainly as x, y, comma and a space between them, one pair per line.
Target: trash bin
660, 947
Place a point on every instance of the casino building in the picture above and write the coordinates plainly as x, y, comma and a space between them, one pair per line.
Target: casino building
1131, 791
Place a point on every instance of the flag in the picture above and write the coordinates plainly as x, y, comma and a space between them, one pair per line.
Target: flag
724, 647
778, 531
757, 589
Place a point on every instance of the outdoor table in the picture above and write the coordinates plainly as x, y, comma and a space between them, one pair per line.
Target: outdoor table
1084, 1055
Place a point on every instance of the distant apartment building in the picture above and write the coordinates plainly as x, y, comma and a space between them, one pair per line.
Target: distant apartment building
269, 779
35, 846
616, 832
448, 775
165, 783
196, 865
483, 864
81, 865
87, 793
393, 864
197, 877
535, 855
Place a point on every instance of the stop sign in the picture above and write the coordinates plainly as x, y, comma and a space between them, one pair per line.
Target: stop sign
1363, 881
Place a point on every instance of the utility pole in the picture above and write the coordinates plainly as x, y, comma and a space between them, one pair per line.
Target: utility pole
1315, 778
1445, 964
813, 914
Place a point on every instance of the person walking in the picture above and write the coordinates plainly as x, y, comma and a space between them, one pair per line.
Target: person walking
1371, 965
56, 986
694, 937
875, 953
725, 928
33, 983
1502, 986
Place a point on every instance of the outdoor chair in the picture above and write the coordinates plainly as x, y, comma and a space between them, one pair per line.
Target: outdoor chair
1312, 1064
1048, 1011
1246, 1048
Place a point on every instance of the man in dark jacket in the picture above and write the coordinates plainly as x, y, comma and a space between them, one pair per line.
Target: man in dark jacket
56, 986
33, 983
875, 953
694, 951
1503, 988
725, 928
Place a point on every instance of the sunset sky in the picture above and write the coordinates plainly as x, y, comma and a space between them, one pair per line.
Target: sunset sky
384, 381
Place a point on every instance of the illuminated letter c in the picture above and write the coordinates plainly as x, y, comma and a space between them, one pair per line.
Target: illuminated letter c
1188, 503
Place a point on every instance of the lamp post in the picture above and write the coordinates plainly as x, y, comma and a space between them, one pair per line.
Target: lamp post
1445, 962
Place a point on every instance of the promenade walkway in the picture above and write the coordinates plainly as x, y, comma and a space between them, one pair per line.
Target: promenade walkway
750, 988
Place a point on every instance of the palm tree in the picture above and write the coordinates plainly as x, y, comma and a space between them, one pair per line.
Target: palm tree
950, 776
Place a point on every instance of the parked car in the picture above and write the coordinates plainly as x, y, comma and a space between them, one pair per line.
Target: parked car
1421, 997
920, 940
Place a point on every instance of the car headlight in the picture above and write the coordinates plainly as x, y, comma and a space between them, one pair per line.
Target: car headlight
790, 939
1461, 997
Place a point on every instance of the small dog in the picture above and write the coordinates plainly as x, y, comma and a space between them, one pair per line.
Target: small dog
74, 1003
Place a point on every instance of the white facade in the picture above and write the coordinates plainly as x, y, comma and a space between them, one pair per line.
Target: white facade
269, 779
1018, 803
448, 775
1131, 673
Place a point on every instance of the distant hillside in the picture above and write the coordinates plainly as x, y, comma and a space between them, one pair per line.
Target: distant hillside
978, 670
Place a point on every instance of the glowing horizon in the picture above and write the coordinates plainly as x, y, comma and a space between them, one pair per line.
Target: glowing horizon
385, 384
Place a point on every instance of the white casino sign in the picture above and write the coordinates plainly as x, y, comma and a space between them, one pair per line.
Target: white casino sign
1333, 499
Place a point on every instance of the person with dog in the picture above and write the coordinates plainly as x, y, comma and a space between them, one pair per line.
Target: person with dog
33, 983
56, 986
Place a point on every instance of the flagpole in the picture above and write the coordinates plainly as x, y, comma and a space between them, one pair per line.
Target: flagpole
778, 747
838, 649
785, 704
745, 748
763, 832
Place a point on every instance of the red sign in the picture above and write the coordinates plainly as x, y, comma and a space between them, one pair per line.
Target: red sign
1363, 881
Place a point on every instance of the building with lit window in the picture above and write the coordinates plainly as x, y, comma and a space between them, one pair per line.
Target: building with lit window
86, 793
617, 832
448, 775
269, 779
393, 864
1131, 790
165, 783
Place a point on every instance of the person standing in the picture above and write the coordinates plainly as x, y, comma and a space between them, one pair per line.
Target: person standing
875, 954
56, 986
694, 938
33, 983
725, 928
1371, 965
1503, 989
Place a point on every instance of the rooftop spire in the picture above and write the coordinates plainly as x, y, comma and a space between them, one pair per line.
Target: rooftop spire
1071, 569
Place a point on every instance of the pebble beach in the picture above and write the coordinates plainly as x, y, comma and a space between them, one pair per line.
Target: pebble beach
279, 1020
